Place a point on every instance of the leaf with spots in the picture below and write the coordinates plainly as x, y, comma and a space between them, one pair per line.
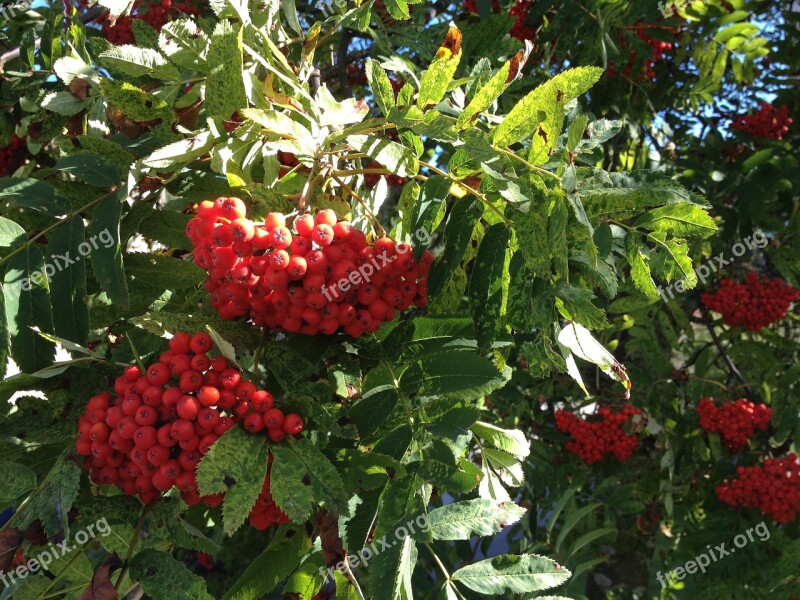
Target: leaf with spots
225, 92
488, 287
164, 578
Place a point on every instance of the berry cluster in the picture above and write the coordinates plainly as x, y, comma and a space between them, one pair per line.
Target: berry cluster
156, 14
162, 422
592, 441
322, 276
754, 304
765, 122
773, 488
658, 49
735, 422
11, 154
520, 9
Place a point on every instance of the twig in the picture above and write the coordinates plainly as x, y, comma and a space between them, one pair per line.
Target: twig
373, 218
724, 354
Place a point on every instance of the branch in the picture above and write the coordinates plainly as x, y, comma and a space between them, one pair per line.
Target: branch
725, 357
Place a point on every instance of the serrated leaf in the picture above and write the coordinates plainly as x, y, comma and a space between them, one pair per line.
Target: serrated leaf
380, 85
544, 103
164, 578
225, 93
670, 259
488, 286
393, 156
135, 103
92, 169
465, 373
184, 44
180, 153
35, 194
107, 258
512, 574
457, 236
472, 518
509, 73
378, 399
392, 570
512, 441
138, 62
64, 103
53, 499
435, 81
302, 475
15, 480
235, 465
27, 304
640, 269
450, 478
269, 568
163, 272
429, 211
68, 282
678, 219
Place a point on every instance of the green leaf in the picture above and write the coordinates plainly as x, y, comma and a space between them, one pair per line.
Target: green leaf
512, 441
27, 304
184, 44
53, 499
484, 98
582, 344
180, 153
5, 340
35, 194
243, 337
110, 151
380, 85
436, 80
391, 571
576, 131
236, 465
393, 156
107, 258
138, 62
378, 399
164, 578
299, 464
678, 219
457, 235
64, 103
545, 103
68, 283
94, 170
640, 269
10, 233
225, 93
512, 574
429, 211
272, 566
576, 304
670, 258
449, 478
395, 443
465, 373
15, 480
163, 272
573, 519
472, 518
135, 103
166, 227
488, 286
144, 34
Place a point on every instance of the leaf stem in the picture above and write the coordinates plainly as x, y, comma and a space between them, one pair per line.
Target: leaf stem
49, 228
443, 569
469, 189
536, 168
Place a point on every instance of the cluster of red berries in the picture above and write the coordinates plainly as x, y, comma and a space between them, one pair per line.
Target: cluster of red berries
735, 422
765, 122
152, 436
321, 277
156, 14
592, 441
754, 304
371, 179
11, 154
658, 49
519, 11
772, 487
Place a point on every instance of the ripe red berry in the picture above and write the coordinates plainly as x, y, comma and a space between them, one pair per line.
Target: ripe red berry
293, 424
